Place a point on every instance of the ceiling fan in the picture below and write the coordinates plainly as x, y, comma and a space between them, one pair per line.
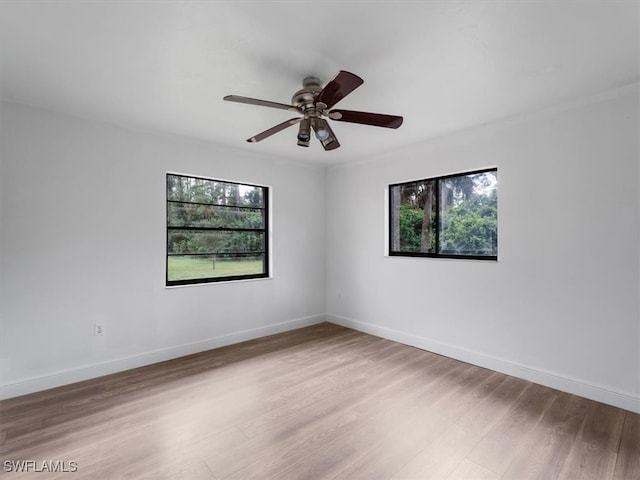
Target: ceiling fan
314, 103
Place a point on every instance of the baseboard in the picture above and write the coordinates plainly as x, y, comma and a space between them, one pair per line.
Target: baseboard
560, 382
598, 393
57, 379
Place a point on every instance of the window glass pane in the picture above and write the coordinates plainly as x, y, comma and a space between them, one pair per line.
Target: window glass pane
413, 216
215, 192
469, 214
214, 242
449, 216
216, 230
193, 267
213, 216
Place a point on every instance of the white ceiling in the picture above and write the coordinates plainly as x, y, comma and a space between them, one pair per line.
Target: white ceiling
444, 65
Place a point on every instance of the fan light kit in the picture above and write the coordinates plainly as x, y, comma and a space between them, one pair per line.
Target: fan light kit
314, 103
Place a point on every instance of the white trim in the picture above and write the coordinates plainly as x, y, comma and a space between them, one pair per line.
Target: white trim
599, 393
64, 377
218, 282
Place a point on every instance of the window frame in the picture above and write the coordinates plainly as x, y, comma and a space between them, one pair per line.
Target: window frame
266, 208
437, 181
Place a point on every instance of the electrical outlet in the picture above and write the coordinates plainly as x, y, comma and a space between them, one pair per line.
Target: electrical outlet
98, 329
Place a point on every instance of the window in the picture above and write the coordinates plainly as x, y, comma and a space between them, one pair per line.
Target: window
216, 230
455, 216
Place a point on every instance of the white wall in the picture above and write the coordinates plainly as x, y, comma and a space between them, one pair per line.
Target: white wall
560, 306
82, 219
82, 240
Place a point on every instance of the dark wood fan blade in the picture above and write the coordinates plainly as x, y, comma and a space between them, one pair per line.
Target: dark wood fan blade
366, 118
272, 130
262, 103
342, 85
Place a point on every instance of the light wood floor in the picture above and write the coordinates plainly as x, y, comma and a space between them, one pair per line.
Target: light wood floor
322, 402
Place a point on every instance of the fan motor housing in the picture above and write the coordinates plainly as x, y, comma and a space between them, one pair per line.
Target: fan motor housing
305, 97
